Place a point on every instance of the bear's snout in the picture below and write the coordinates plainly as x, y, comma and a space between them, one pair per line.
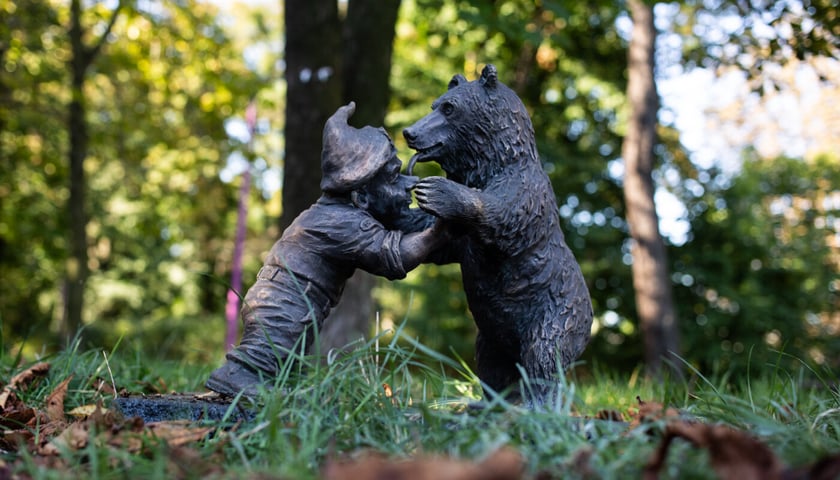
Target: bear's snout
409, 135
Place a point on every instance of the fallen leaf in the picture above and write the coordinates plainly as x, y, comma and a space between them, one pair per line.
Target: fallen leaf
157, 387
648, 412
13, 425
609, 415
504, 464
581, 464
55, 401
177, 433
22, 380
827, 468
83, 411
186, 462
74, 437
16, 415
103, 387
734, 454
11, 440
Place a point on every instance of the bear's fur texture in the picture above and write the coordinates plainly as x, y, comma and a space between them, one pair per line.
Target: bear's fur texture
523, 284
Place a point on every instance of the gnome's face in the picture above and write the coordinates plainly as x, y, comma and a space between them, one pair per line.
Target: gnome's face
388, 193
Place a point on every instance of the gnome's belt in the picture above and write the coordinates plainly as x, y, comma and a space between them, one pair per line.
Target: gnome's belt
299, 283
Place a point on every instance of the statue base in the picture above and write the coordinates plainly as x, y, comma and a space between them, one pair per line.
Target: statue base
184, 406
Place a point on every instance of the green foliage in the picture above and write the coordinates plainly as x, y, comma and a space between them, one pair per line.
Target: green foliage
768, 33
760, 272
158, 97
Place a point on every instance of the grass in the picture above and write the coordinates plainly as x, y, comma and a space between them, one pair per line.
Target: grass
407, 401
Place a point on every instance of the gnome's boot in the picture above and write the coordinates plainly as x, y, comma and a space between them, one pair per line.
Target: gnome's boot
275, 322
256, 361
233, 378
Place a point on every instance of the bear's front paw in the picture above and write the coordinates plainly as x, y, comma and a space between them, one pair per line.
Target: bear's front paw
442, 197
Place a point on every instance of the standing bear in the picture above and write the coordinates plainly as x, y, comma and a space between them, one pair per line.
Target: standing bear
523, 284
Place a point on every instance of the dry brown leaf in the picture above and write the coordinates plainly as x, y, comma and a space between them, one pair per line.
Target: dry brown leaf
157, 387
22, 380
13, 423
734, 454
16, 415
55, 401
186, 462
104, 387
609, 415
83, 411
11, 440
504, 464
650, 412
127, 440
827, 468
177, 433
74, 437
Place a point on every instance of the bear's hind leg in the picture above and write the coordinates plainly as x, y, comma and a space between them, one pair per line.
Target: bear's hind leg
543, 366
496, 369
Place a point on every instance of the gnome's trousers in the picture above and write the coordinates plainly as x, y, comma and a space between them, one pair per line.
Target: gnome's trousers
278, 311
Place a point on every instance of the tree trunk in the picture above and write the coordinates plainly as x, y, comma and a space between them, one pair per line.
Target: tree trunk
77, 263
314, 38
313, 93
654, 302
369, 30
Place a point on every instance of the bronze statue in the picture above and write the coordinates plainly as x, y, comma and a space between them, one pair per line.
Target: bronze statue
352, 225
523, 285
495, 214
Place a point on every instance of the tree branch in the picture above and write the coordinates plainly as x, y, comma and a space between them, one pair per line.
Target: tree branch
90, 53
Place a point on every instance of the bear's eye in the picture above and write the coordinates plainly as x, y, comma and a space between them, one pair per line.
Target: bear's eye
447, 109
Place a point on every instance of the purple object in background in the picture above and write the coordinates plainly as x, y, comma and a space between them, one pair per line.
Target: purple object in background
232, 307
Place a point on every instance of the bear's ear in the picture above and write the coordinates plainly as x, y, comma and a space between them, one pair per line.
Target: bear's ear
457, 80
489, 77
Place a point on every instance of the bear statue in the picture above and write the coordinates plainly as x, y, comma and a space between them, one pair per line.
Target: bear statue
523, 285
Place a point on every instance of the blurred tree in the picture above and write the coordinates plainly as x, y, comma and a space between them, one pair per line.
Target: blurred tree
156, 100
763, 33
162, 239
772, 225
760, 274
313, 90
33, 185
82, 57
333, 58
651, 281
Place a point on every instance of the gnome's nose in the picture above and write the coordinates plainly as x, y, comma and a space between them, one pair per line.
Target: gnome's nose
410, 181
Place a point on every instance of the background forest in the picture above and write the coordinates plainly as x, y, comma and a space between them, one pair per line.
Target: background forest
123, 142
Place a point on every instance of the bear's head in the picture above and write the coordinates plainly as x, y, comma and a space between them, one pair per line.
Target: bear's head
474, 130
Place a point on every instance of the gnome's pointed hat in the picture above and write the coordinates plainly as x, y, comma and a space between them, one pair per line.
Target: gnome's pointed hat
351, 156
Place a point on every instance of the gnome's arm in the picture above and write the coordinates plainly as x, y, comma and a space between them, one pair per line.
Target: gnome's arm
416, 247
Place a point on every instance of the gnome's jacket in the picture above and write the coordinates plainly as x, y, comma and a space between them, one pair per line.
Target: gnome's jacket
304, 275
